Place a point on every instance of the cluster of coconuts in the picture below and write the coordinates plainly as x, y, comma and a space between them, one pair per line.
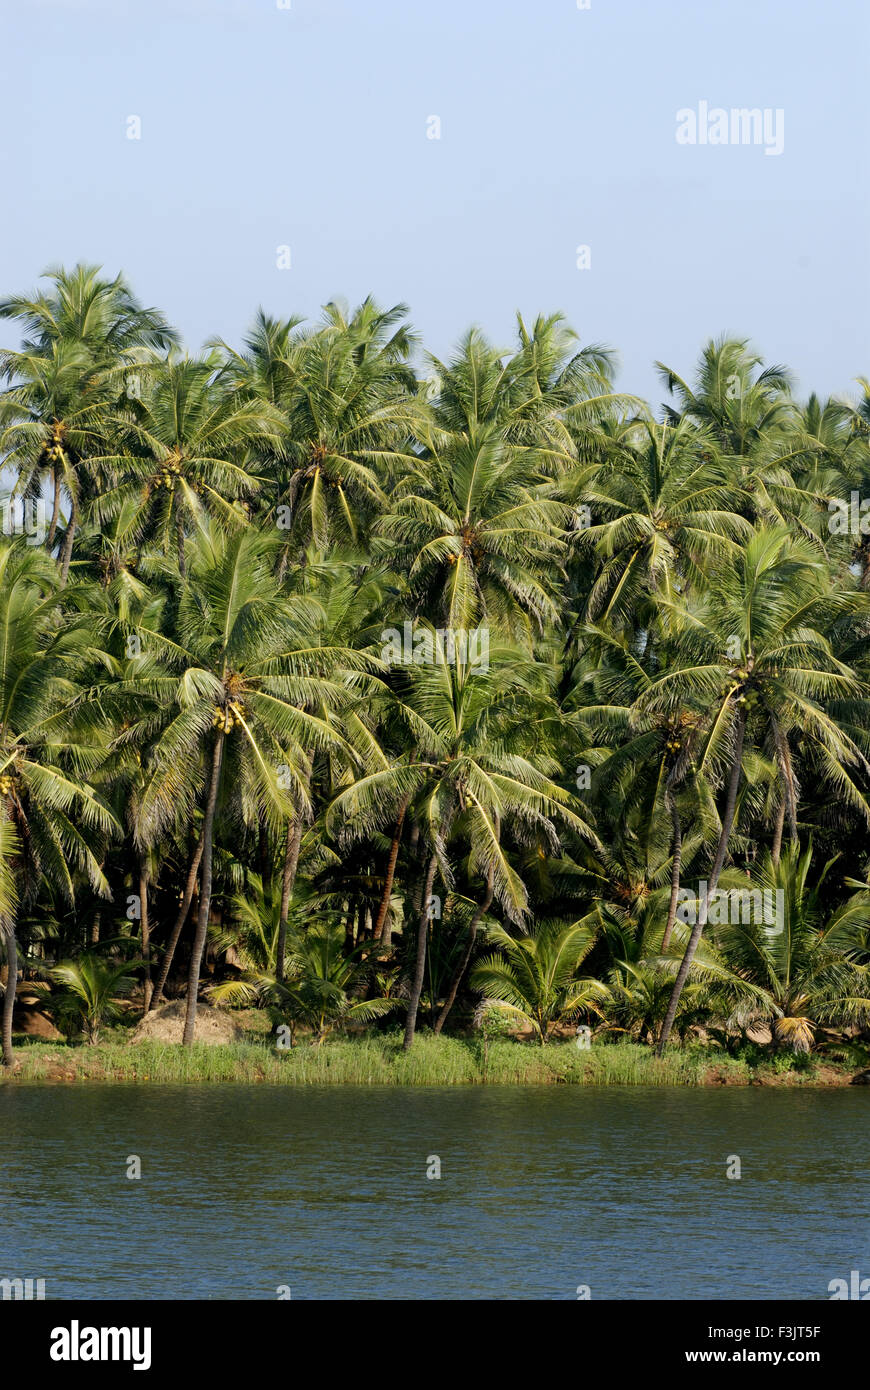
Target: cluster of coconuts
54, 452
169, 471
227, 719
7, 782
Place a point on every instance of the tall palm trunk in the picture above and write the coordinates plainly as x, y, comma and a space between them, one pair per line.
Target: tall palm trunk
179, 541
7, 927
146, 928
791, 799
292, 846
721, 850
482, 907
264, 859
382, 930
288, 880
204, 891
178, 926
420, 962
789, 793
66, 553
676, 864
777, 831
55, 509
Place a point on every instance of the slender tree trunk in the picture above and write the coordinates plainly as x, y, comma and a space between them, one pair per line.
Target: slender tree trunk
95, 928
350, 922
288, 881
791, 804
55, 510
66, 554
264, 862
146, 929
721, 851
7, 926
676, 865
466, 957
179, 539
204, 892
292, 847
777, 831
178, 927
420, 963
417, 857
382, 931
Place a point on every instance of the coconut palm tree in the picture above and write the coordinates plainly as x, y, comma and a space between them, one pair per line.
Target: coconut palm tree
760, 657
348, 397
83, 340
471, 776
240, 676
51, 737
739, 404
663, 509
187, 447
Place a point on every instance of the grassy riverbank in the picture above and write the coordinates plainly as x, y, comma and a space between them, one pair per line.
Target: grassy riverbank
379, 1061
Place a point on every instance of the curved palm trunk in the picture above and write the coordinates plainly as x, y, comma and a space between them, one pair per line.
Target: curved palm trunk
66, 553
8, 929
178, 926
204, 892
722, 848
382, 931
420, 963
466, 957
676, 865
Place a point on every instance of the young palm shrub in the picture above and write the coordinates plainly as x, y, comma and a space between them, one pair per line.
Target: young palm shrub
86, 991
322, 989
252, 927
534, 979
811, 963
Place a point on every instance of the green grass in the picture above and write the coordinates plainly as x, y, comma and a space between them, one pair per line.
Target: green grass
378, 1060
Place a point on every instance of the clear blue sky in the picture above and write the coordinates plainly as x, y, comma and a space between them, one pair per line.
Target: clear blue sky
308, 127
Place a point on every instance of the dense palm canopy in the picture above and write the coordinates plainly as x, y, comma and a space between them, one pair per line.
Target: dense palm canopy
382, 684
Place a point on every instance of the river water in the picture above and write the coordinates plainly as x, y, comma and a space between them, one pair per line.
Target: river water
248, 1190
